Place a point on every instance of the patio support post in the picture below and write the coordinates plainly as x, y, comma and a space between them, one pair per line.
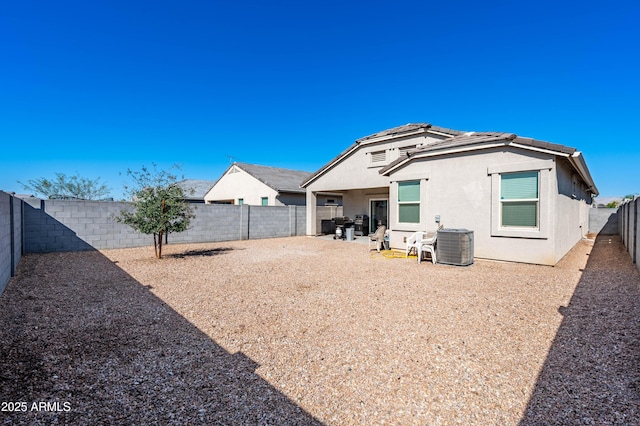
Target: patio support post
311, 212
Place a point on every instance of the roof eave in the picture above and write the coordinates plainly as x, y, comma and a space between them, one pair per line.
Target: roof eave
577, 160
436, 152
368, 140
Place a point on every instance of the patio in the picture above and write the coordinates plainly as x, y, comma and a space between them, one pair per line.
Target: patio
306, 330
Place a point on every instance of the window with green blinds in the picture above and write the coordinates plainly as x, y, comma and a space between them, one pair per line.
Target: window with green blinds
519, 199
409, 202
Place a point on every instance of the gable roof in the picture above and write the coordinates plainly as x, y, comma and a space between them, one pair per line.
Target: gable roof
200, 188
281, 180
410, 129
479, 140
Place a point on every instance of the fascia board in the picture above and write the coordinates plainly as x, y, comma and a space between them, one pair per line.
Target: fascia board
330, 165
577, 160
441, 152
542, 150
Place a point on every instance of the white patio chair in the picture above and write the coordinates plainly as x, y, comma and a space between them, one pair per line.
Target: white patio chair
413, 243
428, 245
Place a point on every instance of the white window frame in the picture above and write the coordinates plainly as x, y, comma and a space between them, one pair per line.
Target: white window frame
543, 167
521, 200
413, 202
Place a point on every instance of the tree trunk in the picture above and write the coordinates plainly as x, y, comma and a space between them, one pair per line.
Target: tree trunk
155, 244
160, 245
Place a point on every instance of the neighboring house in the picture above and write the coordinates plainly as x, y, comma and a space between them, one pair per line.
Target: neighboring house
526, 200
251, 184
195, 190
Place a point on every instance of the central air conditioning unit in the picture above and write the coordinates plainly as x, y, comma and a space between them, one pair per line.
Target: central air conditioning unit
455, 247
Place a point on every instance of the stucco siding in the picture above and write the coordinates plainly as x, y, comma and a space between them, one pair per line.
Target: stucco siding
357, 202
240, 184
357, 171
572, 217
459, 189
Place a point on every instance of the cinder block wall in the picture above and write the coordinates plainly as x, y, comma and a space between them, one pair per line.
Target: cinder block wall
18, 236
603, 221
65, 225
11, 237
69, 225
629, 220
5, 240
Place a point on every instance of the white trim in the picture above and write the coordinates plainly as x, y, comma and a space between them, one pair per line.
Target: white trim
532, 165
443, 152
371, 213
542, 231
544, 150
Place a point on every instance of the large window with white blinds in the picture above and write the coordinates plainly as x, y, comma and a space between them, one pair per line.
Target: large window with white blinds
519, 199
409, 202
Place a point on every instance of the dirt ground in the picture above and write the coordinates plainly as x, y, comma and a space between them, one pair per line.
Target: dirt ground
309, 331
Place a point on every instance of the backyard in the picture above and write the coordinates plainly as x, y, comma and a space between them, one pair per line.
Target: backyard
303, 330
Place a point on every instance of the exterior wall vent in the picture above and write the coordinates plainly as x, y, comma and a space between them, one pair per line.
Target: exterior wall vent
379, 157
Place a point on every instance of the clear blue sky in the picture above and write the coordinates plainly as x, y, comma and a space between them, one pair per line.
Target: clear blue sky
98, 87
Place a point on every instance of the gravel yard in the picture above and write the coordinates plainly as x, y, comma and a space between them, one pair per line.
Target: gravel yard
309, 331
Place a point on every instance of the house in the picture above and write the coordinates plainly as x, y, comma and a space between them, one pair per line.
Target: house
526, 200
195, 189
258, 185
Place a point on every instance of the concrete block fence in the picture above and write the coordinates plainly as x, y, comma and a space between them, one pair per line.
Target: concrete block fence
628, 228
40, 226
71, 225
11, 236
603, 221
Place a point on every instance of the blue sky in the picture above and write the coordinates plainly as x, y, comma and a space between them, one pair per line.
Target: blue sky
99, 87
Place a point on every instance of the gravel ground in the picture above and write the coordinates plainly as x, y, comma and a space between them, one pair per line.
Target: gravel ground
308, 331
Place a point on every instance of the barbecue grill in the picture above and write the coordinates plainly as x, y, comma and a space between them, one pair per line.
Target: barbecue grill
361, 225
341, 224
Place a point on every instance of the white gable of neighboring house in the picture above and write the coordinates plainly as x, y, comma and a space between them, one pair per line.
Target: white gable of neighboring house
236, 185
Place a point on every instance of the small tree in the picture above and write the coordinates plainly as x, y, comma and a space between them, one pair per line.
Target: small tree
612, 205
159, 206
63, 186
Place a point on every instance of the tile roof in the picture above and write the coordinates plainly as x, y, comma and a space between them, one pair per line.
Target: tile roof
477, 138
200, 188
410, 128
282, 180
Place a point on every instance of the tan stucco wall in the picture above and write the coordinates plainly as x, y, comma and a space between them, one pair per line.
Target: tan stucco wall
240, 184
572, 210
356, 172
460, 190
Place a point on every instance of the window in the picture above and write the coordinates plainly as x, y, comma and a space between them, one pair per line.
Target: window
265, 201
519, 198
240, 201
378, 157
409, 202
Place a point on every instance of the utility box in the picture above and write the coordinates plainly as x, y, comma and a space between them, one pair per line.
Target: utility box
455, 247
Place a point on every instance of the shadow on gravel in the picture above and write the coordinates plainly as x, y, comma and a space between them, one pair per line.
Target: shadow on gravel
89, 345
205, 252
592, 372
